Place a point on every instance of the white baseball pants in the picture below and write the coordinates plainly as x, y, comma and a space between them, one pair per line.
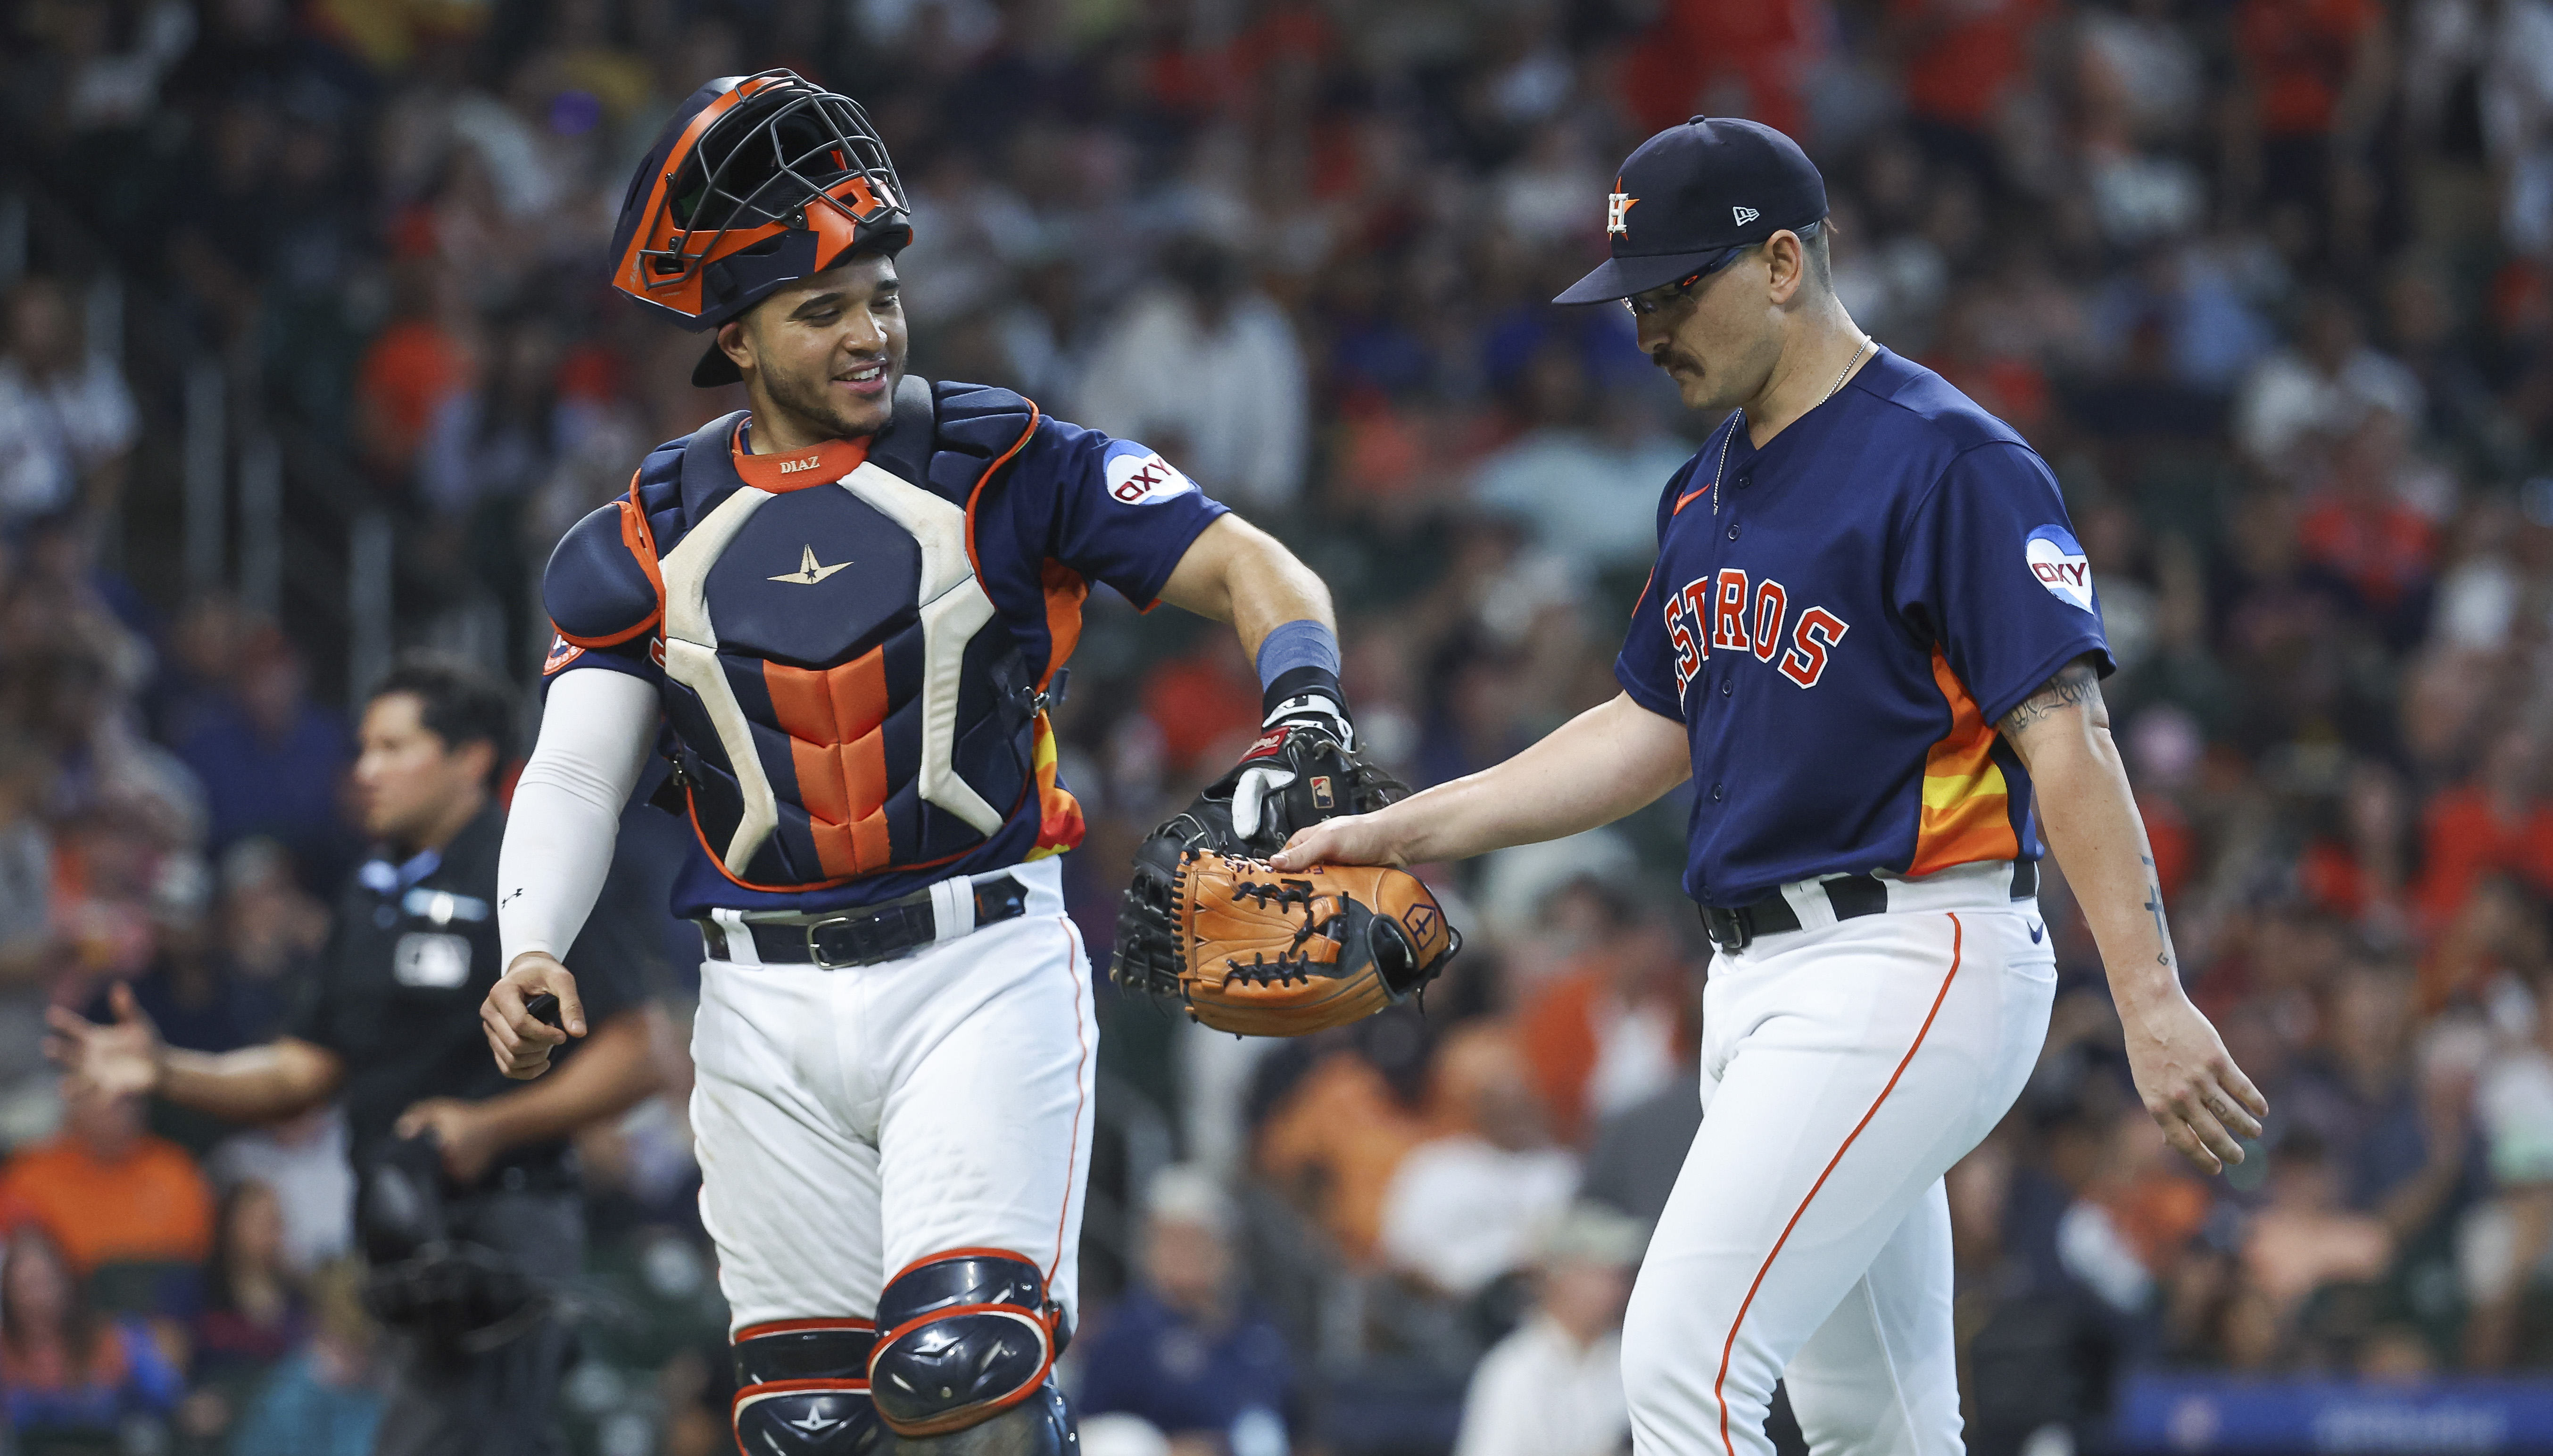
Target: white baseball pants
850, 1122
1844, 1069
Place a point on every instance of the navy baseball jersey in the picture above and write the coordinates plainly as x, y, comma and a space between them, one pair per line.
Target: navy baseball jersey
1839, 625
854, 678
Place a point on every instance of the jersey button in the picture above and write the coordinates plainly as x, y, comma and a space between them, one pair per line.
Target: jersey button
1717, 793
1744, 479
1733, 530
1727, 686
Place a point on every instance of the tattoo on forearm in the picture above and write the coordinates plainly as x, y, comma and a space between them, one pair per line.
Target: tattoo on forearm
2074, 685
2153, 905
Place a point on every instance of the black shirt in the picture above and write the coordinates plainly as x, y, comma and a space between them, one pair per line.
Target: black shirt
412, 954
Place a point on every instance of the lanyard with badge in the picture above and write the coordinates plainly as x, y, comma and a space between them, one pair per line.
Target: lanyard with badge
436, 958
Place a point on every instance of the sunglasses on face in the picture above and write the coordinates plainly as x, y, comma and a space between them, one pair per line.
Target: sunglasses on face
1649, 303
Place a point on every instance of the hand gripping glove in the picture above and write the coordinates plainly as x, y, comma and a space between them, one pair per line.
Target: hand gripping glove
1301, 770
1263, 953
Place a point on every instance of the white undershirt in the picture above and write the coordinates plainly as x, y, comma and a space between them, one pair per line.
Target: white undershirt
596, 732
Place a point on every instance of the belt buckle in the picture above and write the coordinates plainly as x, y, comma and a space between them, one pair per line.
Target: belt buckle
862, 927
1736, 923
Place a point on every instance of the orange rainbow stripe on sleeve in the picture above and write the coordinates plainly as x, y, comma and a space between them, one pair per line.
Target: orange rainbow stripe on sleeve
1967, 804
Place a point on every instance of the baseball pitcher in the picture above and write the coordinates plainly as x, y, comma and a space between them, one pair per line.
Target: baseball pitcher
1872, 643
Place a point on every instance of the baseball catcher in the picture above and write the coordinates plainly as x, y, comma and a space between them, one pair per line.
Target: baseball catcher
839, 614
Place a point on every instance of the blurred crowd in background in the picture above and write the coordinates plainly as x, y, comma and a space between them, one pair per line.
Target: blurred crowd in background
2269, 283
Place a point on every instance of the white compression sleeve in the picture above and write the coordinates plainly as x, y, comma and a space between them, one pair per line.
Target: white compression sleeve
594, 735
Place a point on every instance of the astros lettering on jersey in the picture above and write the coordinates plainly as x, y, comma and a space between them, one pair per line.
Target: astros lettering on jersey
1895, 568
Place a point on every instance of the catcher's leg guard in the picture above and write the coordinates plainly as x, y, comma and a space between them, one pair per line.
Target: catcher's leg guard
803, 1389
966, 1335
1038, 1427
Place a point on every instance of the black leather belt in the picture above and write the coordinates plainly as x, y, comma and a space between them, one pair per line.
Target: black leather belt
865, 937
1731, 927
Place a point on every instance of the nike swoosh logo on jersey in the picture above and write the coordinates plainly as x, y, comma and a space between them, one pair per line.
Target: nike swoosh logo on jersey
2037, 928
808, 573
1687, 499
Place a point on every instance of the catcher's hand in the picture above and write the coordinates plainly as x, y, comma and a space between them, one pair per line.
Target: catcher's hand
1298, 772
1301, 770
1259, 952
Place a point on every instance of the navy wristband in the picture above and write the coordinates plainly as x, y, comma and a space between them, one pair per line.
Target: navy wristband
1302, 642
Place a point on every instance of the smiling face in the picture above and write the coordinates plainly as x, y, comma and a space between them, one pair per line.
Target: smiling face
822, 356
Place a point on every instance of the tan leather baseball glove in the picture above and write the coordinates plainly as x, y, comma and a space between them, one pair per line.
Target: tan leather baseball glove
1267, 954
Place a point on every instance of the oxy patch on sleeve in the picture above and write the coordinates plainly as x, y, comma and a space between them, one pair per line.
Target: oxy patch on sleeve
1139, 476
2056, 559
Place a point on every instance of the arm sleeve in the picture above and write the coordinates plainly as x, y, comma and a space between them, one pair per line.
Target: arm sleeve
595, 734
1993, 570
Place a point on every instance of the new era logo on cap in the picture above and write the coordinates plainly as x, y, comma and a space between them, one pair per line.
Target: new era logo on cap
1745, 215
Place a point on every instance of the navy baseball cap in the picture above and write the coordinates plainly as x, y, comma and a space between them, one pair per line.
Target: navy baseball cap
1691, 195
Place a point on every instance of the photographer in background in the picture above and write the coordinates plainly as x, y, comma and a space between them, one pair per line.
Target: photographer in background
468, 1203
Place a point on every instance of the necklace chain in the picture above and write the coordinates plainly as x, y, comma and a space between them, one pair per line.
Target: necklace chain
1846, 370
1739, 423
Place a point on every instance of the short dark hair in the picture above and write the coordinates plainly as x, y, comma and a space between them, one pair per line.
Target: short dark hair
457, 700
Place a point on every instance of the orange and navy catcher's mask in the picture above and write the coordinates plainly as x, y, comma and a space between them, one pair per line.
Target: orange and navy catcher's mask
756, 181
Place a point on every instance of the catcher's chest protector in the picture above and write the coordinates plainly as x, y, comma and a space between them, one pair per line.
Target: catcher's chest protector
844, 697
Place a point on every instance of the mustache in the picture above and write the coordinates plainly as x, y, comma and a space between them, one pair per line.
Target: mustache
1669, 358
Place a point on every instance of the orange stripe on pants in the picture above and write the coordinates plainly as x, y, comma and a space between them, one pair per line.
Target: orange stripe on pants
1720, 1381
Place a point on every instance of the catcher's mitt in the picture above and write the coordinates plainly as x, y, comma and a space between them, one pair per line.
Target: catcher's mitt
1265, 952
1296, 773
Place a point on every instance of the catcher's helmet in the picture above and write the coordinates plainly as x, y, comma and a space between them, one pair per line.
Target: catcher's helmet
756, 181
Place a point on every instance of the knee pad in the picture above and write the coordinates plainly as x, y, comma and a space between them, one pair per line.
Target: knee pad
964, 1336
802, 1388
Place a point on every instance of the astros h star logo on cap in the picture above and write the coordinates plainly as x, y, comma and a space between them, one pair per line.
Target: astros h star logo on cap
1616, 205
1705, 190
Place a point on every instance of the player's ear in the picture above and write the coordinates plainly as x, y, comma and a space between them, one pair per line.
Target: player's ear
1785, 264
737, 343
